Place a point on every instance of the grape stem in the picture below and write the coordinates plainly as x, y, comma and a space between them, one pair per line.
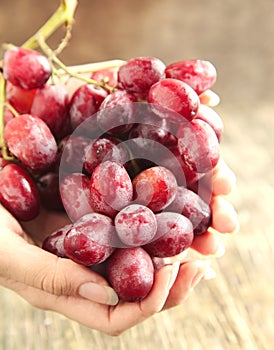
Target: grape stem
63, 15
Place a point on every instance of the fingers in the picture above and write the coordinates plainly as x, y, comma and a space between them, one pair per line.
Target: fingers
44, 271
224, 216
224, 179
189, 275
208, 244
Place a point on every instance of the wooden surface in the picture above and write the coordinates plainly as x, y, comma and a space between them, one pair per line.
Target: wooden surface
236, 310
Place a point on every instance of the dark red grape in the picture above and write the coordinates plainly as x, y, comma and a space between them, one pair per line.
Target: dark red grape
155, 187
54, 243
102, 149
51, 103
29, 139
48, 185
131, 273
75, 195
135, 225
89, 241
189, 204
26, 68
138, 74
117, 113
199, 74
173, 99
198, 145
19, 193
85, 102
174, 235
110, 188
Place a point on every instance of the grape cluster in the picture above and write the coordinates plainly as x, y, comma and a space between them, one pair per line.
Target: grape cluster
125, 156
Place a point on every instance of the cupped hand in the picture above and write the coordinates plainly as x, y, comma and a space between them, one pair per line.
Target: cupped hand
52, 283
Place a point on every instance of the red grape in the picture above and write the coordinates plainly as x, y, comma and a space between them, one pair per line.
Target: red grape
135, 225
110, 188
74, 189
191, 205
211, 117
155, 187
105, 76
174, 235
131, 273
19, 193
20, 99
173, 99
29, 138
138, 74
26, 68
117, 113
102, 149
51, 104
89, 241
48, 185
85, 102
198, 145
199, 74
54, 243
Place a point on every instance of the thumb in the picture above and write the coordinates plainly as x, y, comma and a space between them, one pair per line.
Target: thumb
35, 267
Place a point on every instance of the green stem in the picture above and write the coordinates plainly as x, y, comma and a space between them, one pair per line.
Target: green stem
63, 15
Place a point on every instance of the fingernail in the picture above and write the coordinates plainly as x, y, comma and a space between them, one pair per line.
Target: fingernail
220, 250
98, 293
202, 266
174, 273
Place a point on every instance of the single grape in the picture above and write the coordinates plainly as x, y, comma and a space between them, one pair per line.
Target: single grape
89, 241
135, 225
198, 145
130, 271
117, 113
75, 195
173, 99
189, 204
110, 188
102, 149
19, 193
51, 104
85, 102
106, 76
20, 99
29, 139
26, 68
54, 243
211, 117
199, 74
138, 74
174, 235
48, 185
155, 187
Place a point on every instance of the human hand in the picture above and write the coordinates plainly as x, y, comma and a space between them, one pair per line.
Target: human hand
58, 284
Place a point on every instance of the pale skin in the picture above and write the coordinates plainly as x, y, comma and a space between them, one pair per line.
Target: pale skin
51, 283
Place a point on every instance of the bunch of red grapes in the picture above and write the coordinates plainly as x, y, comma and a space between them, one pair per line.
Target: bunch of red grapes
128, 157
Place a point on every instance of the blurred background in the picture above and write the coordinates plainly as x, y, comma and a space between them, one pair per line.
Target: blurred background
234, 311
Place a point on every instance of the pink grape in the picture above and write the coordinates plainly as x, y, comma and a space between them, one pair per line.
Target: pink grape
51, 104
110, 188
135, 225
75, 195
174, 235
198, 145
19, 193
138, 74
199, 74
173, 99
26, 68
29, 138
89, 241
131, 273
155, 187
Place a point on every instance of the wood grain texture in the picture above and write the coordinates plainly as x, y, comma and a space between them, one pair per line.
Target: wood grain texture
236, 310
